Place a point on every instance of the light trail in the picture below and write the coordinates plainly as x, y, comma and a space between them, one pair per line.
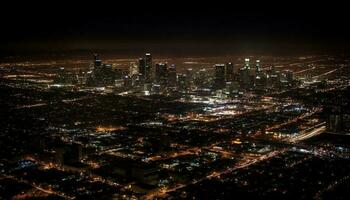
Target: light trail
329, 72
308, 133
305, 70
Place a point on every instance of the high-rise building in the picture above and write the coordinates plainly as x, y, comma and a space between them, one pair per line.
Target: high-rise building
260, 79
161, 73
172, 78
97, 61
273, 78
148, 67
232, 88
246, 63
289, 76
142, 68
257, 67
101, 74
244, 78
229, 72
133, 69
260, 82
182, 81
219, 76
189, 77
127, 81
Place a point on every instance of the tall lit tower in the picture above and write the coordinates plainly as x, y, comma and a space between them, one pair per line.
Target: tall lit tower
257, 66
229, 72
161, 73
97, 61
142, 68
172, 79
246, 64
219, 79
148, 67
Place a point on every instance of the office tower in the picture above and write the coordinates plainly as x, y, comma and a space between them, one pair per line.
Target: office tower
229, 72
133, 69
61, 76
246, 63
161, 74
244, 78
189, 77
142, 68
257, 67
97, 61
273, 78
127, 82
289, 76
219, 76
260, 82
133, 74
202, 78
101, 74
232, 88
182, 81
228, 87
172, 79
148, 68
81, 77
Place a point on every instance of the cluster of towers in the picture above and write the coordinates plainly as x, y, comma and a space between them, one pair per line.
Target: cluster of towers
249, 78
149, 76
146, 76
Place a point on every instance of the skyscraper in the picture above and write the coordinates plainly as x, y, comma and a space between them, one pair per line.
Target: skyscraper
289, 76
148, 67
97, 61
246, 63
244, 78
161, 73
219, 76
273, 78
102, 74
182, 82
229, 72
172, 76
257, 67
142, 68
189, 77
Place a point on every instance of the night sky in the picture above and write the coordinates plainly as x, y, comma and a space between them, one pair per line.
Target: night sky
175, 27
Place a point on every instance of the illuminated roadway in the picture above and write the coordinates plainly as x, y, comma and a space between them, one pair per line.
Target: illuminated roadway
161, 192
316, 130
329, 72
47, 191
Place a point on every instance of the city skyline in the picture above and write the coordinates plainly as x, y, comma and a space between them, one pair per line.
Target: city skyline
174, 100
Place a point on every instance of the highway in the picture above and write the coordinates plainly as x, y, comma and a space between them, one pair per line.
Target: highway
327, 73
311, 132
47, 191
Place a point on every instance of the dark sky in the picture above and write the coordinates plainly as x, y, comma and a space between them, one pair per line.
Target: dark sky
175, 26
